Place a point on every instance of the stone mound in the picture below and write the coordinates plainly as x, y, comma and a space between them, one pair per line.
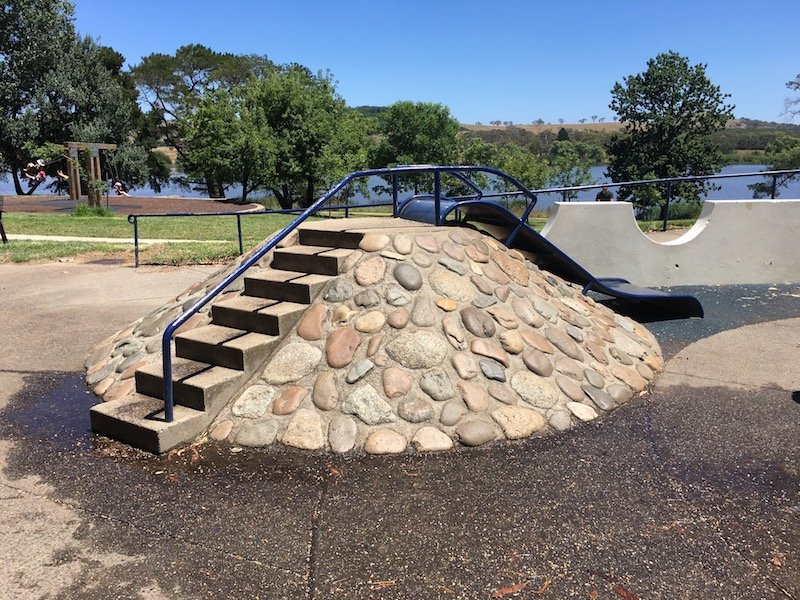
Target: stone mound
425, 341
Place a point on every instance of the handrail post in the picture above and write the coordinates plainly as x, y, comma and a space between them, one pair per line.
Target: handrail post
437, 195
394, 195
564, 196
774, 186
666, 206
239, 229
135, 242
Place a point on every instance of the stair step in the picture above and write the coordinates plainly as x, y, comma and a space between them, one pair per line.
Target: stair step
196, 385
285, 285
336, 239
322, 260
261, 315
225, 346
139, 421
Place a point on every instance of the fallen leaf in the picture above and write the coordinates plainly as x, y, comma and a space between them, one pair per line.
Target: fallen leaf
542, 588
594, 595
623, 593
777, 562
507, 591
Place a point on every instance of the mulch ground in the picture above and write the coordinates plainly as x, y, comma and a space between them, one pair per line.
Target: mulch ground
125, 205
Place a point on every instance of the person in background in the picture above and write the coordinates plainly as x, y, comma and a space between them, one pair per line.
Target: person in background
119, 189
604, 195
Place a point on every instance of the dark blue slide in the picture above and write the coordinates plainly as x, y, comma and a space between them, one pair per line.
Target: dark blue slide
643, 303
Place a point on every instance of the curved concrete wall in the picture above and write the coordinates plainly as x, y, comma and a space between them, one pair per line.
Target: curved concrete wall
732, 242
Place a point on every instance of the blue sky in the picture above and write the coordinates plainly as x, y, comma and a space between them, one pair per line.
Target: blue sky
510, 60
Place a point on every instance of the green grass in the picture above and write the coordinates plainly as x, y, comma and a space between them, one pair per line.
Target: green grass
21, 251
672, 224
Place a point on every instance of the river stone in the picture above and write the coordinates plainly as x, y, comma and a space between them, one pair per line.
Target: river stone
130, 360
630, 377
221, 430
511, 341
477, 322
418, 349
537, 361
583, 411
594, 378
423, 314
454, 332
569, 367
464, 364
492, 369
427, 242
373, 345
339, 290
489, 349
437, 385
601, 399
422, 260
452, 411
619, 355
408, 276
102, 387
342, 432
517, 290
475, 396
454, 251
597, 352
396, 382
504, 316
620, 392
397, 297
373, 242
563, 342
253, 402
493, 272
573, 332
502, 393
370, 322
289, 400
119, 390
446, 304
392, 255
525, 313
385, 441
474, 254
560, 420
341, 346
475, 268
367, 298
370, 272
256, 434
518, 422
415, 410
325, 394
359, 369
475, 433
655, 363
534, 390
536, 340
502, 293
342, 314
645, 371
398, 318
450, 285
402, 243
102, 371
310, 326
454, 266
546, 310
484, 286
367, 405
570, 387
483, 301
511, 266
304, 431
430, 439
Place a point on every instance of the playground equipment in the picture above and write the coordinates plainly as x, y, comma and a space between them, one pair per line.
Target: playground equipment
93, 168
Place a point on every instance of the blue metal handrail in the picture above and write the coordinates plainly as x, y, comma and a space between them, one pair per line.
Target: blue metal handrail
169, 331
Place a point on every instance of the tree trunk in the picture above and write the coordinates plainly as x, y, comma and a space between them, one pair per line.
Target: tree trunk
284, 196
309, 199
214, 188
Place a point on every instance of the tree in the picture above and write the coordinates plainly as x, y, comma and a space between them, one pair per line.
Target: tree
793, 104
781, 154
567, 168
417, 133
669, 112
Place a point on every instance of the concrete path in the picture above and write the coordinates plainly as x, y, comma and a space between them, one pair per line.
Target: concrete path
690, 492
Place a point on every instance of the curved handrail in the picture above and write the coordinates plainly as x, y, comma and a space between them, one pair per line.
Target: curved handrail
169, 331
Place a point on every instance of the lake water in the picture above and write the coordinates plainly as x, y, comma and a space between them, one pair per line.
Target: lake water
730, 189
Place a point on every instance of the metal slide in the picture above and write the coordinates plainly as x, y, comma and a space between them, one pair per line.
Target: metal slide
641, 302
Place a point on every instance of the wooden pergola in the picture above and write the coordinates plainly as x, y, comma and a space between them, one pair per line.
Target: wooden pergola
93, 168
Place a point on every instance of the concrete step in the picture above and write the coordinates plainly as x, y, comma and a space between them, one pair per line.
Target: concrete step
261, 315
289, 286
196, 385
322, 260
225, 346
309, 236
139, 421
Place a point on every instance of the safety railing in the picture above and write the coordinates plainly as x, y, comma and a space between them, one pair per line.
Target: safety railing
394, 173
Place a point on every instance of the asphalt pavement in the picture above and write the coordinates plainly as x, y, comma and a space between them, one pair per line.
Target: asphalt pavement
690, 491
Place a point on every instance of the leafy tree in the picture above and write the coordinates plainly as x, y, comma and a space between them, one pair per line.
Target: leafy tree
567, 168
563, 135
782, 154
417, 133
669, 112
793, 104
